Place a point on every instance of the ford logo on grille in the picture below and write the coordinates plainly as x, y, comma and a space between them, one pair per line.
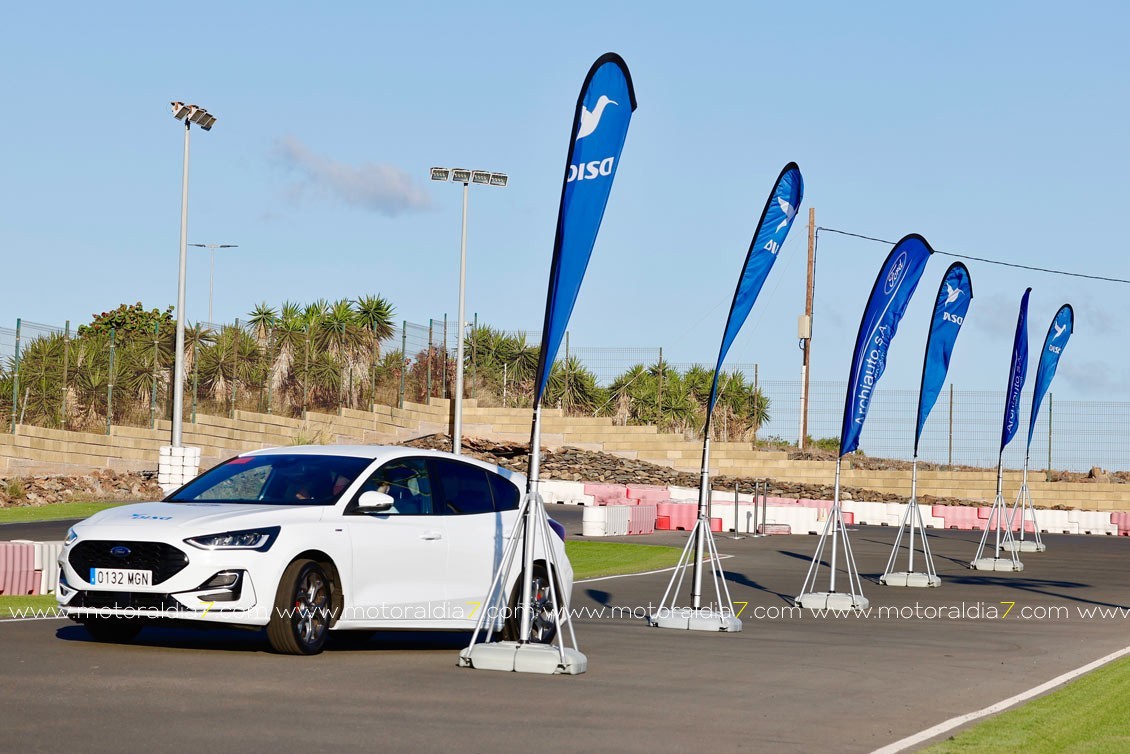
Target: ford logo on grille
120, 551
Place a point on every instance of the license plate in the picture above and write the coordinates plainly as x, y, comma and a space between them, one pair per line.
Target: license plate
120, 577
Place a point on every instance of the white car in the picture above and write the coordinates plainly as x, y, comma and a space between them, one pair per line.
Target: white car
307, 540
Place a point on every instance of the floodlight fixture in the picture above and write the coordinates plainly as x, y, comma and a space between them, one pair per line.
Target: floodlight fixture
189, 114
181, 110
466, 177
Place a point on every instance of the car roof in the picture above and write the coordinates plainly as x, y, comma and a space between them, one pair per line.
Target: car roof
384, 453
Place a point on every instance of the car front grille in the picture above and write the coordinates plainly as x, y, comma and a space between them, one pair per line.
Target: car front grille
164, 560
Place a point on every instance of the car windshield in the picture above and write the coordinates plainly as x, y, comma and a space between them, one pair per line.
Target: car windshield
275, 479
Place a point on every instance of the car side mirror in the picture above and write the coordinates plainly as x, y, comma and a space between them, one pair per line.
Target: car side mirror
374, 502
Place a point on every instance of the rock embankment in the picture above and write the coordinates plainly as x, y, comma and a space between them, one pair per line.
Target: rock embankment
104, 484
574, 464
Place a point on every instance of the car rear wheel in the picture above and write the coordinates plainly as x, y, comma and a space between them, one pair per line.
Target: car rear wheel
303, 610
543, 622
111, 629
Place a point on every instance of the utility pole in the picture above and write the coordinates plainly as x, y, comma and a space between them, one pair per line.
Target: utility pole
804, 328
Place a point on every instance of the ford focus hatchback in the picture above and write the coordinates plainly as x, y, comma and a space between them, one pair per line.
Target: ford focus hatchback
310, 540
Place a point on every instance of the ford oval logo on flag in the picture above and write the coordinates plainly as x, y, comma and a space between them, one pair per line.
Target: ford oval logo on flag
895, 274
120, 551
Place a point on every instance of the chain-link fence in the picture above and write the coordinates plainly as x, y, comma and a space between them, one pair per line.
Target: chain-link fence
95, 378
964, 427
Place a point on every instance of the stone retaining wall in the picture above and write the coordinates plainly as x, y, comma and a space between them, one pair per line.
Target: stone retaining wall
35, 450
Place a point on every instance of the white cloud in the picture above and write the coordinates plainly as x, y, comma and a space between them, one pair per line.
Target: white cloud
383, 188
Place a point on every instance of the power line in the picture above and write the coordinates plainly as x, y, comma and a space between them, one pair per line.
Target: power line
981, 259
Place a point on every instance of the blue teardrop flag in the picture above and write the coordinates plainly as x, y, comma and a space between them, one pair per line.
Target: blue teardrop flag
1063, 324
893, 288
600, 126
954, 296
1017, 373
776, 220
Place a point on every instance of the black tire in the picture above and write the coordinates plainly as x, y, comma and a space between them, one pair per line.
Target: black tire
303, 611
543, 626
111, 629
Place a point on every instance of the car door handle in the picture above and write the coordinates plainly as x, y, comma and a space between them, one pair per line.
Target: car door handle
431, 535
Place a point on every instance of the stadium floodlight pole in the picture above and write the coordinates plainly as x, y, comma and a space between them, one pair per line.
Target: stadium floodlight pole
189, 114
466, 177
211, 247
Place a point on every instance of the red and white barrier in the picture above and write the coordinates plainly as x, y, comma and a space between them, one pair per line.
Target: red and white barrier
564, 492
17, 569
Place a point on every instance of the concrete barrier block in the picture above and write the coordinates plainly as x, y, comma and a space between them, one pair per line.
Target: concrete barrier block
607, 494
799, 520
647, 494
874, 514
1055, 521
683, 494
563, 492
821, 504
725, 512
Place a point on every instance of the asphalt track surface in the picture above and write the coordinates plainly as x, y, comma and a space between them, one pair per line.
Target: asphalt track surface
797, 683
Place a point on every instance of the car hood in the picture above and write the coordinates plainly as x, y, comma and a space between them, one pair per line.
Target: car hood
151, 519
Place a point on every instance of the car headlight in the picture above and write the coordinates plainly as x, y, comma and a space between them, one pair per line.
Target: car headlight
71, 536
248, 539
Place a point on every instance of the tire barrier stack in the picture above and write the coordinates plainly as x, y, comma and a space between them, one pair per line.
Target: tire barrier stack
29, 567
176, 466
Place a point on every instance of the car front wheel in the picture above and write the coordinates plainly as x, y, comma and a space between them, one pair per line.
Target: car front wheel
303, 610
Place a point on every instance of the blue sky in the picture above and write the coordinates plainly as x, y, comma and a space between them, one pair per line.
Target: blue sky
994, 129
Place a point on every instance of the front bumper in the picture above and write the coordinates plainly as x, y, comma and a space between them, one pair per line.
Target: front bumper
202, 585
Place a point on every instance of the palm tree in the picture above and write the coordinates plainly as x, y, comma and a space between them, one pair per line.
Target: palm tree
375, 314
573, 387
338, 332
41, 381
262, 320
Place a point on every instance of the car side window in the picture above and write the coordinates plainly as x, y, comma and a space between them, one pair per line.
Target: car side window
406, 481
506, 495
464, 488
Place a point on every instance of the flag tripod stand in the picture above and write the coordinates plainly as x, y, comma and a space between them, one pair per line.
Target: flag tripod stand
998, 523
1027, 508
911, 520
525, 655
700, 544
852, 599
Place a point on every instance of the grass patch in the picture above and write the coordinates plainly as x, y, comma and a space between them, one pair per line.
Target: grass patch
10, 606
1087, 715
54, 511
593, 559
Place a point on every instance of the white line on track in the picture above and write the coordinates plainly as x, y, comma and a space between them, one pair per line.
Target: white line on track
1000, 706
